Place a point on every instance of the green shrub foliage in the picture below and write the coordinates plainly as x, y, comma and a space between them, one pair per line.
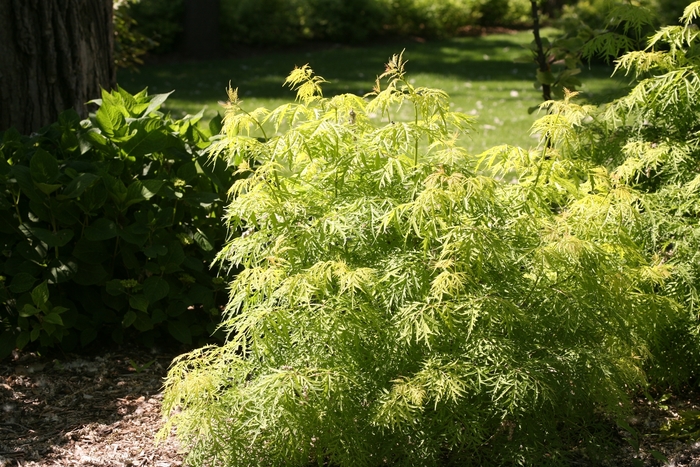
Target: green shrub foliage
290, 21
402, 304
158, 20
130, 45
648, 140
109, 225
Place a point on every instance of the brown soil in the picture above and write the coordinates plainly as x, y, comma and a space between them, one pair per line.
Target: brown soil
104, 411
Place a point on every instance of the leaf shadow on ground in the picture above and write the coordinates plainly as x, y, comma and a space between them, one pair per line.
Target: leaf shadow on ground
347, 68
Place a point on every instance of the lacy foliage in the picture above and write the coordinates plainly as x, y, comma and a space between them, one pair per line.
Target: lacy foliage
404, 302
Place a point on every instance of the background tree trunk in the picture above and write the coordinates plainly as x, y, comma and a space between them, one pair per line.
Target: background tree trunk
54, 55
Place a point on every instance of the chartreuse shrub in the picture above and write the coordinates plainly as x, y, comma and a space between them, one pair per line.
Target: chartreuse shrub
649, 143
109, 226
402, 304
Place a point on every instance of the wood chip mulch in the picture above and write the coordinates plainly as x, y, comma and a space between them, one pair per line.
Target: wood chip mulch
84, 411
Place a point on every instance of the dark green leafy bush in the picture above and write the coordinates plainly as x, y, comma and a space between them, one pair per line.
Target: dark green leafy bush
428, 18
399, 306
109, 226
290, 21
158, 20
130, 45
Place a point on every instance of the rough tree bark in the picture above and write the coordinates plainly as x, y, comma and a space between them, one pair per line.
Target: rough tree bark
54, 55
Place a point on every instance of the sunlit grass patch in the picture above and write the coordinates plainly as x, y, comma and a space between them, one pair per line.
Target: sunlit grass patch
479, 73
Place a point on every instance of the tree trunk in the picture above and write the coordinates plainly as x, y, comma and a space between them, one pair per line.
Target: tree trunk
54, 55
540, 56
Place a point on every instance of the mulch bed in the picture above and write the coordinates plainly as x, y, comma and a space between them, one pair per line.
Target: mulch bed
104, 411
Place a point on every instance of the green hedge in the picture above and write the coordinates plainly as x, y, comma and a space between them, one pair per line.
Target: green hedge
277, 22
289, 21
108, 227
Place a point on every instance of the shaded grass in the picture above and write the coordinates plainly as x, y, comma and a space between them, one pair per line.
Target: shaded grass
479, 74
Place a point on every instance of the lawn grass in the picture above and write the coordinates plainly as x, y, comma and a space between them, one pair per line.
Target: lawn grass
479, 74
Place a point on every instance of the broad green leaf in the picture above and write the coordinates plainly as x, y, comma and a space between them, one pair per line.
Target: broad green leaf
61, 270
93, 199
28, 310
91, 274
187, 172
91, 251
47, 188
151, 188
155, 288
101, 229
52, 239
203, 241
155, 250
94, 138
23, 176
88, 335
143, 322
158, 316
200, 294
22, 282
40, 294
135, 234
69, 118
156, 101
176, 255
546, 77
54, 318
110, 119
115, 188
203, 199
215, 125
193, 263
36, 252
139, 302
129, 319
180, 331
114, 287
23, 339
78, 185
43, 167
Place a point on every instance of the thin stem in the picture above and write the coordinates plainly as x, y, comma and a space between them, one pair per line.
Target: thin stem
540, 56
19, 214
415, 122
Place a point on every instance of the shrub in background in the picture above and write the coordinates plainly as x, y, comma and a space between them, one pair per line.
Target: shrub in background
270, 22
508, 13
427, 18
399, 306
158, 20
130, 45
340, 20
291, 21
109, 226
